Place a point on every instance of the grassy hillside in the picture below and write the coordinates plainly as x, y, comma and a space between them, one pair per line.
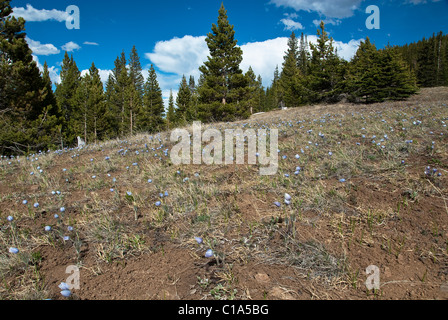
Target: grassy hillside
366, 194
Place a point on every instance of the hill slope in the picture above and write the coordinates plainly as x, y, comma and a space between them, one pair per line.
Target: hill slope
363, 196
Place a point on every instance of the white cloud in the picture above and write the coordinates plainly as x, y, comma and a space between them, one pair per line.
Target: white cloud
327, 21
41, 49
53, 71
264, 57
91, 43
104, 74
347, 50
31, 14
180, 55
291, 25
70, 46
329, 8
177, 57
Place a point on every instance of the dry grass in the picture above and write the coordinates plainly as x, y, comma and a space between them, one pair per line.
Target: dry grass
231, 207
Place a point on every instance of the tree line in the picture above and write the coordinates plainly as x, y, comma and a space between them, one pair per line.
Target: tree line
34, 117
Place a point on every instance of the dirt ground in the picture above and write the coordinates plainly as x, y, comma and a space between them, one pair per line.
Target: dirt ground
394, 220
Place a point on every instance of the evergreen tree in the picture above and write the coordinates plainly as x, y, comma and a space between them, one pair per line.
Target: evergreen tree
136, 89
376, 76
261, 93
256, 92
23, 92
183, 101
121, 94
153, 105
290, 79
171, 116
192, 112
326, 71
303, 55
65, 91
47, 128
426, 61
397, 82
112, 123
80, 111
223, 93
364, 74
97, 106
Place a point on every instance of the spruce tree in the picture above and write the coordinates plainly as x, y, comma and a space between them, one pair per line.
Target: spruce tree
111, 113
303, 55
136, 89
377, 76
397, 82
326, 70
183, 101
223, 93
192, 112
290, 78
171, 115
23, 92
65, 91
364, 74
153, 105
97, 106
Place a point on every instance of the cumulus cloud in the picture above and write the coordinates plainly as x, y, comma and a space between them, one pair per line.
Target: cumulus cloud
31, 14
41, 49
71, 46
264, 57
329, 8
177, 57
347, 50
180, 55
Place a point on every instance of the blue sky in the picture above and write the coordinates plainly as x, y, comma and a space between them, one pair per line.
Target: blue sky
170, 34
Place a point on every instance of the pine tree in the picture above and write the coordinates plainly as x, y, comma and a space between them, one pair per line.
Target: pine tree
65, 91
376, 76
23, 92
397, 82
326, 71
136, 89
153, 105
223, 93
183, 101
261, 93
97, 106
364, 74
290, 79
121, 94
192, 112
303, 55
80, 111
171, 116
47, 128
273, 92
427, 67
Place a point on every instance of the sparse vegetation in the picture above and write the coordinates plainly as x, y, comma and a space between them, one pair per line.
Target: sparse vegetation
365, 194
